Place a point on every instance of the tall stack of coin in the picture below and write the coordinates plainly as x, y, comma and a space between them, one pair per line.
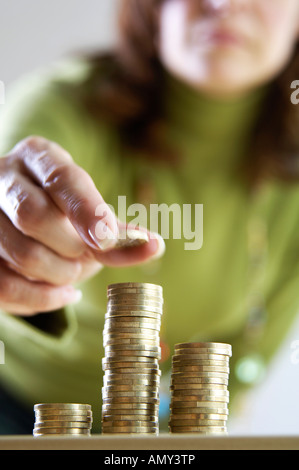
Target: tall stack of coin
199, 388
62, 419
131, 336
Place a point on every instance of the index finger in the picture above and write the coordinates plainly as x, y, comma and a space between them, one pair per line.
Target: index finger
71, 188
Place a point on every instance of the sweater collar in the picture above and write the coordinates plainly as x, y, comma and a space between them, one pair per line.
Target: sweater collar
199, 121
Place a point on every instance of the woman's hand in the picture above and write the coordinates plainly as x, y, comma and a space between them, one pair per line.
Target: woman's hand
50, 236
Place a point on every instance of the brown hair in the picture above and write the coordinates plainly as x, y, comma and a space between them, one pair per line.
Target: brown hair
125, 88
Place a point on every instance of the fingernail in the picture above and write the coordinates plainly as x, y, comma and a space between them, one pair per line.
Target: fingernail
104, 238
161, 246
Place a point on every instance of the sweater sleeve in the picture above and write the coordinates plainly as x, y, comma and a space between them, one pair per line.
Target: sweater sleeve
38, 105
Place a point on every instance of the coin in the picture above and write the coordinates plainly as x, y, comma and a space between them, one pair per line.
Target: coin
209, 416
63, 406
142, 334
147, 407
143, 285
60, 430
200, 428
200, 391
64, 424
133, 314
130, 327
199, 357
219, 375
135, 307
147, 297
63, 413
129, 319
115, 412
151, 400
132, 347
198, 410
129, 238
62, 418
203, 345
197, 422
130, 429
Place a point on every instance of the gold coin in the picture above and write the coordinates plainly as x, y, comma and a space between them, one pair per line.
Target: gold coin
198, 358
129, 238
203, 345
130, 429
133, 347
138, 419
130, 394
201, 409
113, 400
140, 414
62, 406
143, 359
208, 369
64, 424
199, 397
219, 375
195, 410
120, 343
137, 333
149, 297
200, 428
127, 422
199, 390
130, 407
129, 319
134, 315
130, 327
63, 413
157, 290
129, 370
60, 430
138, 354
132, 383
196, 422
129, 388
214, 380
138, 285
193, 402
64, 418
134, 308
122, 306
148, 375
204, 416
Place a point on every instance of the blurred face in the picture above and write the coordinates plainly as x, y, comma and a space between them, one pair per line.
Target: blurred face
227, 47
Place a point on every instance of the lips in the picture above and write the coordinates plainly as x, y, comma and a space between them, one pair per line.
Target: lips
225, 37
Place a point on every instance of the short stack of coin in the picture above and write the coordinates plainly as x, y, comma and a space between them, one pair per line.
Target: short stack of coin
130, 393
67, 419
199, 388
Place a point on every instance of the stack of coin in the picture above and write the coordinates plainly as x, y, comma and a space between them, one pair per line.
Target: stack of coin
72, 419
199, 388
130, 393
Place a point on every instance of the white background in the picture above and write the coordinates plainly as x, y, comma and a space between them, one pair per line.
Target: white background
34, 33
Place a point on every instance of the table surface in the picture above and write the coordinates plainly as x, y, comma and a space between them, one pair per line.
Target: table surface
141, 442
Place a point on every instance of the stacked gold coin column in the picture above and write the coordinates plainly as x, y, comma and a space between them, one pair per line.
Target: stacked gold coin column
199, 388
72, 419
130, 393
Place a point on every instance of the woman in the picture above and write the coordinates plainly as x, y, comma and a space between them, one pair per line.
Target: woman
193, 106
